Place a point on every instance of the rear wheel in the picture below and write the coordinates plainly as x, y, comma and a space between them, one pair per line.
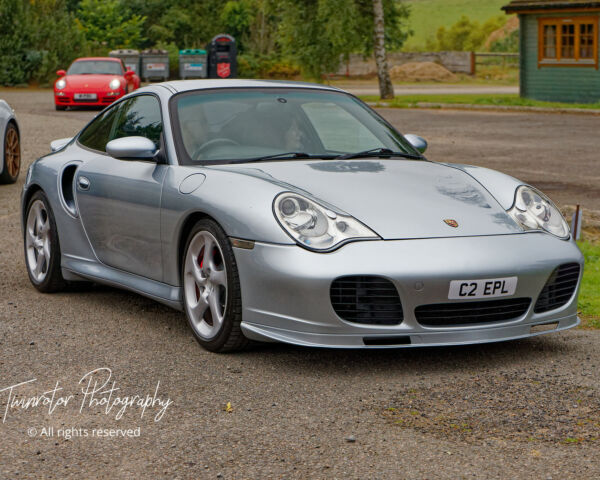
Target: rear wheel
211, 289
12, 155
42, 249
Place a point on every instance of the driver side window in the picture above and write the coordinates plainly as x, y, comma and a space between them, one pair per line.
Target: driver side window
138, 116
98, 133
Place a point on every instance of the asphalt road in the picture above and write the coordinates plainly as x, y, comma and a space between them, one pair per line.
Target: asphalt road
526, 408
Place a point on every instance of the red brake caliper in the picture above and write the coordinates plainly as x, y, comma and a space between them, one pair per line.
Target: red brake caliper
200, 263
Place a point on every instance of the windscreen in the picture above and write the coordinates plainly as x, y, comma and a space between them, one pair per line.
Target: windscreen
238, 124
89, 67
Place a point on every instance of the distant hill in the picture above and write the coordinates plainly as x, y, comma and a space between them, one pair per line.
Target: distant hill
428, 15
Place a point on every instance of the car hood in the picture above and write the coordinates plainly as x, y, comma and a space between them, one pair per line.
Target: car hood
84, 82
398, 199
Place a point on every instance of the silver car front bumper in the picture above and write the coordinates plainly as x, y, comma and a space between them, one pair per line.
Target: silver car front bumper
286, 289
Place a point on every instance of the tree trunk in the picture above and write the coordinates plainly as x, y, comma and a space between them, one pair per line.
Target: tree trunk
386, 89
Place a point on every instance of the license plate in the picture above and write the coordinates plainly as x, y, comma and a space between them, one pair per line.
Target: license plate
85, 96
486, 288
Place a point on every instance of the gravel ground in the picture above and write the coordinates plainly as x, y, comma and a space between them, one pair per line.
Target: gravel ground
507, 410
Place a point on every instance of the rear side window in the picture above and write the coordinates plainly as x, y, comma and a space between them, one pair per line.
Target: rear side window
140, 116
98, 133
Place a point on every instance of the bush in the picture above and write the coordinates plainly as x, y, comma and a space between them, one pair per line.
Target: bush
266, 66
465, 35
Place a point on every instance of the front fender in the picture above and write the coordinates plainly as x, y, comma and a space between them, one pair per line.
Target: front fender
241, 204
501, 186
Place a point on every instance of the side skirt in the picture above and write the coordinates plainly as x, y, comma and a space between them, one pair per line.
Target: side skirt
97, 272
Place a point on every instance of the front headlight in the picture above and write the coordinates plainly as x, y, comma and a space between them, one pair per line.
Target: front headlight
115, 84
60, 84
314, 226
534, 211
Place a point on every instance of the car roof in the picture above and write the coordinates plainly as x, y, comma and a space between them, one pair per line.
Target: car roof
108, 59
187, 85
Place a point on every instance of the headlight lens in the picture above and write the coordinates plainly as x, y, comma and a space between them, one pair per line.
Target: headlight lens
115, 83
534, 211
60, 84
314, 226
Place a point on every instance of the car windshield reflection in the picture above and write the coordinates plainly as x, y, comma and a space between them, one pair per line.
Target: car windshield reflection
217, 126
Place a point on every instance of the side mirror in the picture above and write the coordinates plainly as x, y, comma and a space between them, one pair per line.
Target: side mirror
419, 143
61, 73
132, 148
129, 74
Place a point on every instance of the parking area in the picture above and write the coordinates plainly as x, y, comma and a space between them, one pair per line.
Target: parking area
275, 411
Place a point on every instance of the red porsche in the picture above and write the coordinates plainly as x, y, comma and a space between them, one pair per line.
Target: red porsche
93, 81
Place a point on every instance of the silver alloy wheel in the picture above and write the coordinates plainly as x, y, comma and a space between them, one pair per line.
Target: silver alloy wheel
205, 284
37, 241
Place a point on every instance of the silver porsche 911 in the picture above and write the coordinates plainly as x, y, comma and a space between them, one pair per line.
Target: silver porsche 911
291, 212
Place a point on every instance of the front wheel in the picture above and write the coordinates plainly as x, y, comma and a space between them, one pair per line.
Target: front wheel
60, 108
42, 249
211, 289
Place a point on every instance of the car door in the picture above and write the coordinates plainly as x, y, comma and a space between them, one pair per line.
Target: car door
119, 200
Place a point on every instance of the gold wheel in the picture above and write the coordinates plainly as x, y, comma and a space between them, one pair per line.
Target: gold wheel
12, 151
12, 155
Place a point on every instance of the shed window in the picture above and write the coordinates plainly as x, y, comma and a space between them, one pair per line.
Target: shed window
568, 41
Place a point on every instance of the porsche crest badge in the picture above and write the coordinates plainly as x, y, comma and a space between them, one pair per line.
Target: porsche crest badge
451, 223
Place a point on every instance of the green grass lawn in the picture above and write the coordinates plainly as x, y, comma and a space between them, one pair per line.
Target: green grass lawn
408, 101
428, 15
589, 296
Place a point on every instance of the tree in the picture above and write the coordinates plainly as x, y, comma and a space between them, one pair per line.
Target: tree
106, 27
317, 34
386, 89
35, 39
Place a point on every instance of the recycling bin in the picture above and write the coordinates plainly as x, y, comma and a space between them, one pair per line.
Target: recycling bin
192, 64
222, 57
131, 58
155, 65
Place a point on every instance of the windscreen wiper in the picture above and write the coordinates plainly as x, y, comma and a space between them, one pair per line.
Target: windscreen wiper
378, 152
281, 156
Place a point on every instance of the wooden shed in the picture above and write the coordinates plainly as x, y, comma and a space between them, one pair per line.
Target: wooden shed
559, 49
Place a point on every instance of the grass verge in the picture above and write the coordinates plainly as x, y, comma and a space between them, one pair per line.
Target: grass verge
589, 296
500, 100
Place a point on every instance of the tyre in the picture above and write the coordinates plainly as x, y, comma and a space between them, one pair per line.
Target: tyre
12, 155
60, 108
211, 289
42, 248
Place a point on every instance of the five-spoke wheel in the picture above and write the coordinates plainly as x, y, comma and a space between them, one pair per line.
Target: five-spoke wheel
12, 155
42, 249
211, 290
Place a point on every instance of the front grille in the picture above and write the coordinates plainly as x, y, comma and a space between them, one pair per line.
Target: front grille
367, 300
559, 288
469, 313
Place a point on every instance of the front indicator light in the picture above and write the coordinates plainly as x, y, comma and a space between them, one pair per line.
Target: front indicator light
315, 227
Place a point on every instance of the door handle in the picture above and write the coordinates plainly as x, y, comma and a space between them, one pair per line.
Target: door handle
83, 183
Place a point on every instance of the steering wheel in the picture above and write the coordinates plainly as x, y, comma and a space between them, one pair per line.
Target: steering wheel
212, 143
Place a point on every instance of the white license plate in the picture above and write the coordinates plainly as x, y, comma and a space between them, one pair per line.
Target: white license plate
486, 288
85, 96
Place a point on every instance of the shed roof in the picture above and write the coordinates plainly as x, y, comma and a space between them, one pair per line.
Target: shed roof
518, 6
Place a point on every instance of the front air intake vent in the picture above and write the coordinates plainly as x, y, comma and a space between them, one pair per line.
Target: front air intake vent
470, 313
367, 300
559, 288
